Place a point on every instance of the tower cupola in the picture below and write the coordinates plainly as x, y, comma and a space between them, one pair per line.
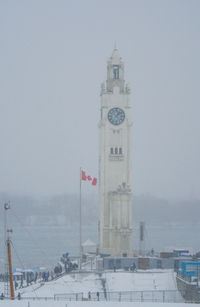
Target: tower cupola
115, 72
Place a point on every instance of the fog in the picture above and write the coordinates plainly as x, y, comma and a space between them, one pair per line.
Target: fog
53, 58
46, 227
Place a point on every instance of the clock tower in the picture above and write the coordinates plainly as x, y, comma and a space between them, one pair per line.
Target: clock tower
115, 197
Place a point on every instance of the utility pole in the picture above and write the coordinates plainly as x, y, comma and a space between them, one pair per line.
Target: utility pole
8, 258
142, 239
6, 281
12, 295
80, 218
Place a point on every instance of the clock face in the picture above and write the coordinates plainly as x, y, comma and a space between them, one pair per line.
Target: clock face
116, 116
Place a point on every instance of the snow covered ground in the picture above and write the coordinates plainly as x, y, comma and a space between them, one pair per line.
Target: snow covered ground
71, 283
89, 304
142, 286
140, 281
124, 286
115, 281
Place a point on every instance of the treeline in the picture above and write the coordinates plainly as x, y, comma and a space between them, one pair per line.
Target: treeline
145, 208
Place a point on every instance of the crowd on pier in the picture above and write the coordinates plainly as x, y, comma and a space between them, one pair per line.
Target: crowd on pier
25, 277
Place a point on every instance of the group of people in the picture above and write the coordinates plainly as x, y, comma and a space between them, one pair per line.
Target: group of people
25, 279
28, 278
67, 263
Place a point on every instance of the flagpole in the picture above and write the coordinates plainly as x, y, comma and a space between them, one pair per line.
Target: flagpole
80, 216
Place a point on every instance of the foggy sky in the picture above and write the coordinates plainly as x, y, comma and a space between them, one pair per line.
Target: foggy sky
53, 57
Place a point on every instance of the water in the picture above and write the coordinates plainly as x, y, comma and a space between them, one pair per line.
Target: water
44, 245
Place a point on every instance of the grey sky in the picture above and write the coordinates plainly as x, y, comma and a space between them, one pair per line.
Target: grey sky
53, 58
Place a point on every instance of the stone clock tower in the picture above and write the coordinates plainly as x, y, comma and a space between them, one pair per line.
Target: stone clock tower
115, 197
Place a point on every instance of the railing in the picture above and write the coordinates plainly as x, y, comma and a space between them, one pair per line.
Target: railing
139, 296
122, 296
69, 297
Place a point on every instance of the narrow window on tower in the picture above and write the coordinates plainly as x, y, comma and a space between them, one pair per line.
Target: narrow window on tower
116, 72
120, 151
116, 150
111, 151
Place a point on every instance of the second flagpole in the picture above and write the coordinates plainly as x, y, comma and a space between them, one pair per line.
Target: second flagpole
80, 216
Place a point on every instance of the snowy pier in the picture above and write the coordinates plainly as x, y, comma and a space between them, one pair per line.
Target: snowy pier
120, 286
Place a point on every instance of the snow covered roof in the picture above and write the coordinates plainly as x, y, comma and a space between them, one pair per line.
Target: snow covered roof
39, 268
89, 242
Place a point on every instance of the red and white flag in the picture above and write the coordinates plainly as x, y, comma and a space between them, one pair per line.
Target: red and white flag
85, 177
94, 181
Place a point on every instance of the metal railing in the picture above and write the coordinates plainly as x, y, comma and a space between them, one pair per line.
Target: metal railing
69, 297
120, 296
143, 296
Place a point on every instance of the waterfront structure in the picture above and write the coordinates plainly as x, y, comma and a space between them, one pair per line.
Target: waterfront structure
115, 196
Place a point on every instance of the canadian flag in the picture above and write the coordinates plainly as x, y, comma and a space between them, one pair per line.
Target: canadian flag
85, 177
